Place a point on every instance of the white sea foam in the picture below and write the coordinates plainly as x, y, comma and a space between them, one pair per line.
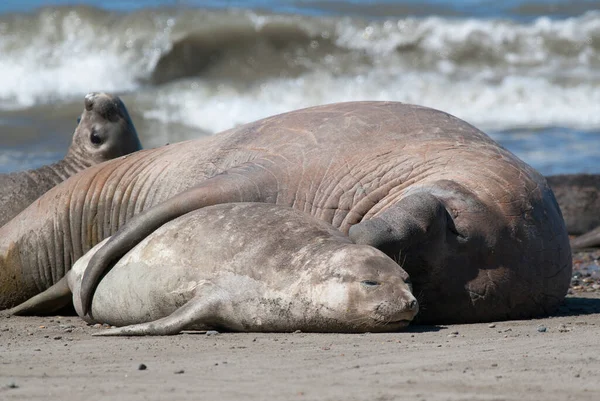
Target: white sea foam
493, 73
514, 101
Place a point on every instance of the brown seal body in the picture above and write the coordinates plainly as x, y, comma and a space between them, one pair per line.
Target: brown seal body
478, 230
104, 132
578, 196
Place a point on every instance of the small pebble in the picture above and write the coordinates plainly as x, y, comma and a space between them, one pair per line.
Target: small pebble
57, 337
541, 329
491, 325
455, 333
179, 372
12, 385
142, 367
212, 333
297, 331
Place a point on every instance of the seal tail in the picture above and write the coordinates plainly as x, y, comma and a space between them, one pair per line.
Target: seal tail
591, 239
54, 298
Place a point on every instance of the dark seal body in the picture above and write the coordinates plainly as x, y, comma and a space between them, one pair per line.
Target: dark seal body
578, 196
477, 229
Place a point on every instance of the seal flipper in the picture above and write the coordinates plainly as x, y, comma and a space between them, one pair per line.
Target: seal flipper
590, 239
200, 309
54, 298
418, 217
251, 182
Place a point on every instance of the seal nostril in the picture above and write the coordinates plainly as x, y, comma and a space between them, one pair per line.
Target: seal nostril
89, 101
412, 304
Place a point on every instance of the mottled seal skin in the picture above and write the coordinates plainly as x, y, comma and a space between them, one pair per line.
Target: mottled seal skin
578, 196
104, 132
247, 267
478, 230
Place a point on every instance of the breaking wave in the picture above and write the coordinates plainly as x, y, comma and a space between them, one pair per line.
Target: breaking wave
216, 68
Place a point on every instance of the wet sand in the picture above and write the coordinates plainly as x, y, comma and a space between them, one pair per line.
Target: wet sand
557, 358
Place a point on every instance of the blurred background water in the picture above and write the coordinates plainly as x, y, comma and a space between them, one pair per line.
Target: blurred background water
525, 71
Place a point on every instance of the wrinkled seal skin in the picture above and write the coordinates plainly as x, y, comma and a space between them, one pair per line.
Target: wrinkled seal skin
479, 231
104, 132
578, 196
247, 267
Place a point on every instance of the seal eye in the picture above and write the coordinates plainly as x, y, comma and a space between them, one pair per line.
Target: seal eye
95, 138
370, 283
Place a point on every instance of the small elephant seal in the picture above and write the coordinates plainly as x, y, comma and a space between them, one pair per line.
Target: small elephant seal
245, 267
104, 132
578, 196
478, 230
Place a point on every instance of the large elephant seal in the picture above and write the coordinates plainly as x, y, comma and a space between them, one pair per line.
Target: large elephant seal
477, 229
578, 196
104, 132
247, 267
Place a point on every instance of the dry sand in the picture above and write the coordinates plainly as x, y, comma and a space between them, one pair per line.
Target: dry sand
56, 358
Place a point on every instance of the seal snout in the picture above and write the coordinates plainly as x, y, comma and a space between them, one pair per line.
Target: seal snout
89, 100
109, 107
403, 310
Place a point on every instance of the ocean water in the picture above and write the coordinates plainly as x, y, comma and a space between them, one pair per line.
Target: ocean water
525, 71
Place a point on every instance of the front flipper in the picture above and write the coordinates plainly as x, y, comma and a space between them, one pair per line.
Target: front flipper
418, 217
250, 183
198, 311
590, 239
54, 298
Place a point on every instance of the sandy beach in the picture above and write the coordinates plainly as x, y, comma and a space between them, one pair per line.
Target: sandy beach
556, 358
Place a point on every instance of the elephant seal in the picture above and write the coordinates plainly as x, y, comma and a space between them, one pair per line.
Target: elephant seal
104, 132
478, 230
578, 196
246, 267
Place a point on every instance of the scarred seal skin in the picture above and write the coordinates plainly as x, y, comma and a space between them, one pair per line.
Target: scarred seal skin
105, 131
246, 267
478, 230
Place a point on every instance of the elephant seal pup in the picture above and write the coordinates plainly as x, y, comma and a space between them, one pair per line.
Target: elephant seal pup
104, 132
247, 267
578, 196
478, 230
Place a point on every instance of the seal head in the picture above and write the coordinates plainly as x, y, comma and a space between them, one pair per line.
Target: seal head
105, 130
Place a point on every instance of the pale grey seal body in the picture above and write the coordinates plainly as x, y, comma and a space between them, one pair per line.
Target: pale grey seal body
247, 267
104, 131
478, 230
